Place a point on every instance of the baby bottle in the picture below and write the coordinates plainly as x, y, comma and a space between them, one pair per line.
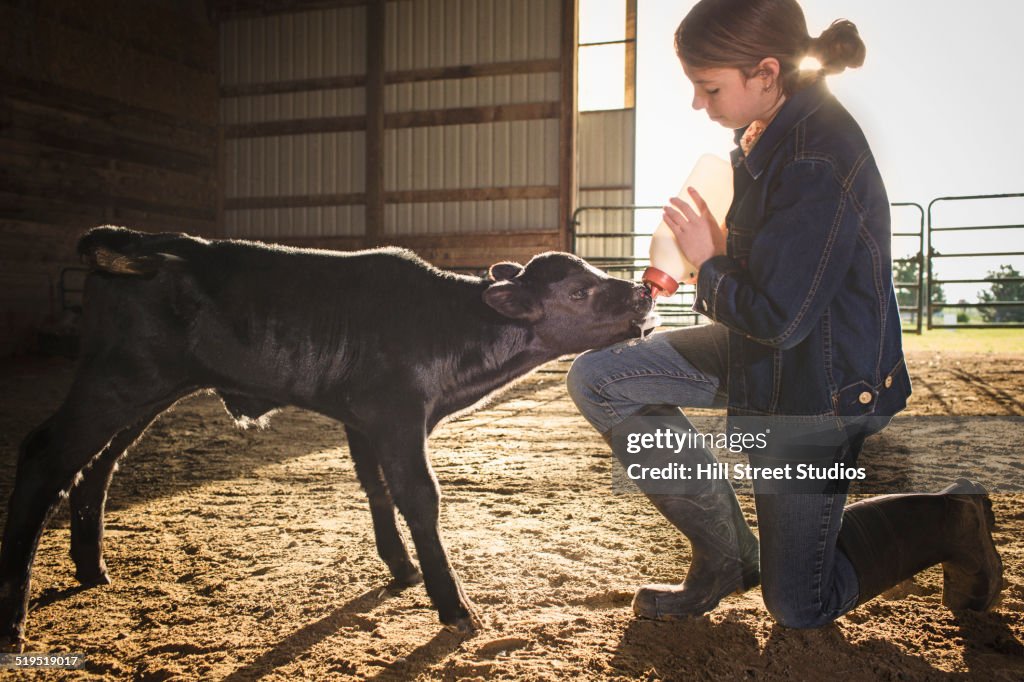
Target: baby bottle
712, 178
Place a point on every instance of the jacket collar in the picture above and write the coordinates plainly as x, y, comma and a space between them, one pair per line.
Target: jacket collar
795, 109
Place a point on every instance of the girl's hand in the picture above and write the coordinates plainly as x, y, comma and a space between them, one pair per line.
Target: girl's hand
699, 235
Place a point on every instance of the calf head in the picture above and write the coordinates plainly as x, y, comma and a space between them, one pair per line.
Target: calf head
570, 305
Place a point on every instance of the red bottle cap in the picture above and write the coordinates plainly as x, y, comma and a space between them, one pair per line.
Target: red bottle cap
660, 280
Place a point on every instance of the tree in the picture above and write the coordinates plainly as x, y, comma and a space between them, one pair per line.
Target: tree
905, 272
1003, 291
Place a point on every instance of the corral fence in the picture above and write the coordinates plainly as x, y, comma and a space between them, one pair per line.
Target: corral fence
959, 245
606, 237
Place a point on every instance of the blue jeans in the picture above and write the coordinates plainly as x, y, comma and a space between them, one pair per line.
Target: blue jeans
806, 581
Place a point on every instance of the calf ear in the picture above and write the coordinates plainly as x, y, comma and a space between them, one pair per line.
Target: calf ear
504, 270
512, 300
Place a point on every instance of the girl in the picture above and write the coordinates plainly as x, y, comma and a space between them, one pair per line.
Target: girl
805, 326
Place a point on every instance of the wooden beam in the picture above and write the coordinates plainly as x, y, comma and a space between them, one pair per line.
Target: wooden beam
605, 188
300, 126
398, 197
169, 30
114, 149
474, 71
376, 17
283, 87
294, 201
525, 67
230, 9
222, 183
54, 52
112, 112
405, 119
104, 202
468, 115
472, 194
567, 122
630, 75
69, 211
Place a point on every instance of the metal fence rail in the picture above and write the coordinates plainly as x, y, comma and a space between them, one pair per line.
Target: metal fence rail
677, 310
1015, 319
916, 285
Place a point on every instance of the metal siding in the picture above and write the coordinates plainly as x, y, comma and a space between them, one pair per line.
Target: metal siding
503, 154
302, 45
470, 216
606, 142
312, 44
322, 163
290, 106
606, 158
471, 92
434, 33
420, 34
314, 221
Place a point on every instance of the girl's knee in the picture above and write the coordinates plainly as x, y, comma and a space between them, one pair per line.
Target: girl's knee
582, 379
796, 610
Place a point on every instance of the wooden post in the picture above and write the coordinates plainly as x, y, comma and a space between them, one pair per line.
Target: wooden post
220, 228
630, 75
375, 27
567, 123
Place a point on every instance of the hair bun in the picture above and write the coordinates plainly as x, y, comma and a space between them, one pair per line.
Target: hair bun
839, 47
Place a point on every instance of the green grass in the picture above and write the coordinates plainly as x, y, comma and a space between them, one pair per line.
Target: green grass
997, 341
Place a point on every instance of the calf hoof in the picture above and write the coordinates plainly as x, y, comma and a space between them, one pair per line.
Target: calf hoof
404, 573
11, 639
465, 622
405, 576
92, 578
12, 645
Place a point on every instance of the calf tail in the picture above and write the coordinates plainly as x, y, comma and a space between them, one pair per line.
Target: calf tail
116, 250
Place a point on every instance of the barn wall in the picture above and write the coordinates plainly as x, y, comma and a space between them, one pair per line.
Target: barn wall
108, 114
606, 178
443, 125
307, 69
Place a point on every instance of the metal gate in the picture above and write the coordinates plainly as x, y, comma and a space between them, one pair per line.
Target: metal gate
676, 310
955, 247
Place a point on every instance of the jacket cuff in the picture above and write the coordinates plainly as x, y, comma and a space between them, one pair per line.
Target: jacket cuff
709, 279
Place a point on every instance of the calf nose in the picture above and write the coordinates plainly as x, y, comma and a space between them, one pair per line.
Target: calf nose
642, 296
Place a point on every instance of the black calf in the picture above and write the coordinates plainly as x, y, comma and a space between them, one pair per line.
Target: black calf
378, 340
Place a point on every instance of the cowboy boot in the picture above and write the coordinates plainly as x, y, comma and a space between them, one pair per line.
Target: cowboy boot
891, 538
724, 550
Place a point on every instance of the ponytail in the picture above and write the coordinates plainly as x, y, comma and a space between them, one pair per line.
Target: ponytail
838, 47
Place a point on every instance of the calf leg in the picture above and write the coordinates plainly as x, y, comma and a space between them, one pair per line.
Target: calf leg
382, 508
88, 499
51, 457
403, 459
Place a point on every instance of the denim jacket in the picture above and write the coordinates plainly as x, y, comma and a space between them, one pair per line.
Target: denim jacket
806, 287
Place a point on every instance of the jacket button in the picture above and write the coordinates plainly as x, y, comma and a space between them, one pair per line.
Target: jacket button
865, 397
888, 382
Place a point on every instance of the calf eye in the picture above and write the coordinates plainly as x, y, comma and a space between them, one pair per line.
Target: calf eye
579, 294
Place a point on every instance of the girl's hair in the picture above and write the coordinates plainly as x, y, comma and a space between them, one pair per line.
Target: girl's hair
740, 33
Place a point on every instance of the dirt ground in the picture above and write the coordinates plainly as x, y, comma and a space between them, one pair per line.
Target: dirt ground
243, 555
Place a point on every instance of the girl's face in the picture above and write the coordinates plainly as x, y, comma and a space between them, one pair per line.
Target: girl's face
732, 100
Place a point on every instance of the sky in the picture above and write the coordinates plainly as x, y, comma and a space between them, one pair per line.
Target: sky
940, 98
